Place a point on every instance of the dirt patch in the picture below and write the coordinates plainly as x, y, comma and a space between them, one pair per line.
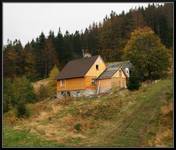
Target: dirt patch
161, 137
69, 120
166, 109
165, 133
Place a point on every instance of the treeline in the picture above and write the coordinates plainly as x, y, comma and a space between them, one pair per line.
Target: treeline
108, 39
143, 36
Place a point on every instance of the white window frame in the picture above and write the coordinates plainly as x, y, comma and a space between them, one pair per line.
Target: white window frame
93, 82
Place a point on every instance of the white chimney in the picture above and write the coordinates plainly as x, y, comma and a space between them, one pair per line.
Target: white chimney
86, 54
127, 72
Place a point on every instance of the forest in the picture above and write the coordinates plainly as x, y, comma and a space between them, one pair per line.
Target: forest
142, 35
108, 39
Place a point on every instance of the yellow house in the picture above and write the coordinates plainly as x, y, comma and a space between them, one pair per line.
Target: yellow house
90, 75
77, 78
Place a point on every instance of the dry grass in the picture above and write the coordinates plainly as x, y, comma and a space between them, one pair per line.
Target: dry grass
99, 118
37, 84
167, 109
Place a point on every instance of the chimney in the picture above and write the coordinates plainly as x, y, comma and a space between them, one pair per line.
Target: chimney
85, 53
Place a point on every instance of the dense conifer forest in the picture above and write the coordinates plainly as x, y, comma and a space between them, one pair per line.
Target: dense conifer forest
108, 39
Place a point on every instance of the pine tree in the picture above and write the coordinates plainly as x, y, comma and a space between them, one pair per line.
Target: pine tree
134, 80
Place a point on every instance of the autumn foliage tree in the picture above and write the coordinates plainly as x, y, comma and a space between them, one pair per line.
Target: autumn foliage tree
52, 80
146, 52
54, 73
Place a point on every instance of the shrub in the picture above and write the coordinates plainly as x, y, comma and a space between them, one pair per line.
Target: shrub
22, 110
15, 91
134, 81
22, 90
52, 87
77, 127
7, 91
43, 92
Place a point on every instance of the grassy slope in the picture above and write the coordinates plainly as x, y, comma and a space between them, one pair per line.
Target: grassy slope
123, 119
22, 138
137, 124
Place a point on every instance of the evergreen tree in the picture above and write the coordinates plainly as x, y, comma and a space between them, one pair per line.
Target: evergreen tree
22, 90
49, 55
134, 80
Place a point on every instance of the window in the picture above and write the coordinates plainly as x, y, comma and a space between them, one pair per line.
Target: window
97, 67
61, 83
93, 81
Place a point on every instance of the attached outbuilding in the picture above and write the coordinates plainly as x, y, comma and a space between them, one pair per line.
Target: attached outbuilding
115, 75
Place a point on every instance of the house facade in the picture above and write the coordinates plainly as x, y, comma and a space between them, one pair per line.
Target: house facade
90, 75
77, 78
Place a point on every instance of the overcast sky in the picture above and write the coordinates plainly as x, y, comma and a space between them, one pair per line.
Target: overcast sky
26, 21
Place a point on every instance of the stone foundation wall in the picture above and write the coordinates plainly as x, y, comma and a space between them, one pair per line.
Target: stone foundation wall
77, 93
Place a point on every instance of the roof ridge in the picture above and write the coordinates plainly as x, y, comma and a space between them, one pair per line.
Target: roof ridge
84, 58
77, 67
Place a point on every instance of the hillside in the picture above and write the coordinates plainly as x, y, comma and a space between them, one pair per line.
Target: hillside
122, 118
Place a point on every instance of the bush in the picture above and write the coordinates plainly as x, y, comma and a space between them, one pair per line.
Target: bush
134, 81
22, 90
15, 91
77, 127
52, 87
22, 110
7, 91
43, 92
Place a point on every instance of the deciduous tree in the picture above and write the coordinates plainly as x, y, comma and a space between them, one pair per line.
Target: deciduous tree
146, 52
